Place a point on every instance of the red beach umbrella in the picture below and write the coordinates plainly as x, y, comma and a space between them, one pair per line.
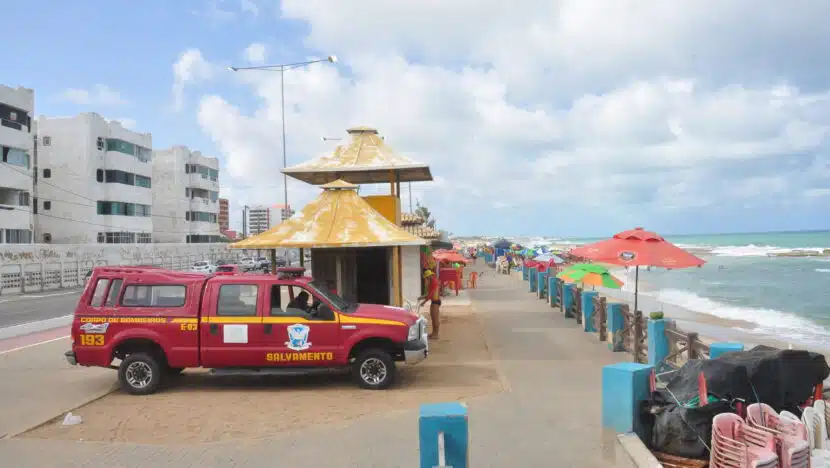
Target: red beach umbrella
638, 247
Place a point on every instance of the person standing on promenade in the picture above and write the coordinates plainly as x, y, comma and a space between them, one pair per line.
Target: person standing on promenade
434, 296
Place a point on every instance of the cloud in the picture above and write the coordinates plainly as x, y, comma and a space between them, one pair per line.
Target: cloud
256, 53
190, 68
98, 95
636, 112
225, 11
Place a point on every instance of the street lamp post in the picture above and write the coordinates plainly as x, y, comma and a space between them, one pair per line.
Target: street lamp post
282, 69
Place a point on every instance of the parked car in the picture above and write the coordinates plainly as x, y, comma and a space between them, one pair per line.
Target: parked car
203, 267
281, 262
247, 264
237, 325
227, 270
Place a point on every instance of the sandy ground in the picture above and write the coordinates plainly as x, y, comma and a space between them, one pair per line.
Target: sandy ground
202, 408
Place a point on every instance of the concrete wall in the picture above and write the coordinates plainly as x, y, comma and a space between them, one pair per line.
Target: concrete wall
39, 267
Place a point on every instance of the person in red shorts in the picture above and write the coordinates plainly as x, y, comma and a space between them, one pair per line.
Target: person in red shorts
434, 296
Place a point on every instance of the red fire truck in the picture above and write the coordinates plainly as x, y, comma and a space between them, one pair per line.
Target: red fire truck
158, 322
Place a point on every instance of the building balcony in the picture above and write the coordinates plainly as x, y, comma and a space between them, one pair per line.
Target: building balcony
203, 204
197, 181
16, 177
18, 217
20, 139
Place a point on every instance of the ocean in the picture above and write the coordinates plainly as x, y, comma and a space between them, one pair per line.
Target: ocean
783, 297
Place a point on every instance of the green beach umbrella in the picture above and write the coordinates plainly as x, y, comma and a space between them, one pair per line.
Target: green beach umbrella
594, 275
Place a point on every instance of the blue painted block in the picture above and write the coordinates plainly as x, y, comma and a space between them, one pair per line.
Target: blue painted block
658, 343
624, 386
533, 279
588, 311
553, 292
542, 283
615, 326
716, 349
568, 291
525, 271
451, 420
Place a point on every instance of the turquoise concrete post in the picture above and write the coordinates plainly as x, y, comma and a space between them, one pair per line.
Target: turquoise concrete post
542, 283
716, 349
658, 343
532, 283
444, 435
588, 311
624, 386
553, 291
525, 271
615, 326
568, 298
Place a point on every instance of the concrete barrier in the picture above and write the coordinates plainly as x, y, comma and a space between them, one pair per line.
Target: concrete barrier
568, 292
588, 311
624, 386
631, 452
716, 349
444, 436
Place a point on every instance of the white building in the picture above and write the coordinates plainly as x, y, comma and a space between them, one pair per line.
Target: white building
93, 183
261, 218
16, 176
185, 196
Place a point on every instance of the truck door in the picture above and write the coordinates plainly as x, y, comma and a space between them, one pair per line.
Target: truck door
231, 328
296, 337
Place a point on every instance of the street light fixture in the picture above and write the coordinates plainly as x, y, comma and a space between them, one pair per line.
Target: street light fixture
282, 69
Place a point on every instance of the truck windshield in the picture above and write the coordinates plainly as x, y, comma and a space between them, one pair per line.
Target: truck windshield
338, 302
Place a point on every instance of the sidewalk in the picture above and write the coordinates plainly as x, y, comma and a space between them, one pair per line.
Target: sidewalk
550, 416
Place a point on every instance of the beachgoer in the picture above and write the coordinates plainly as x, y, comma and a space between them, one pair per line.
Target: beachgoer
434, 296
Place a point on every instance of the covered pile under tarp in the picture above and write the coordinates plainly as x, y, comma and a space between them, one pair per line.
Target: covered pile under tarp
782, 379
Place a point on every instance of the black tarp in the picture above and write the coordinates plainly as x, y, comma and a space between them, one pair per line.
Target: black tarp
780, 378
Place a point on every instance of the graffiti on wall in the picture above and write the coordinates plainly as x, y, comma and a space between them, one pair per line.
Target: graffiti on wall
113, 254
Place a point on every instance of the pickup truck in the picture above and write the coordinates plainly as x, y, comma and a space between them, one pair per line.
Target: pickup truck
158, 322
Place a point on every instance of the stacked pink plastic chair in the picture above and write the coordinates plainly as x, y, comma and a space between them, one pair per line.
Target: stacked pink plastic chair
790, 434
735, 444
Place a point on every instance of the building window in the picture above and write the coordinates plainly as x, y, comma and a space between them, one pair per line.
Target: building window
110, 208
202, 239
99, 175
23, 198
18, 236
47, 205
145, 238
47, 173
141, 181
201, 216
100, 144
47, 238
121, 146
101, 237
47, 141
15, 156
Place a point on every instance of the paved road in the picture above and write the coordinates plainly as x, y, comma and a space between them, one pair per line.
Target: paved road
550, 416
17, 310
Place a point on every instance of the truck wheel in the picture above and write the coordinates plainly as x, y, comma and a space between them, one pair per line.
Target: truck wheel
140, 374
374, 369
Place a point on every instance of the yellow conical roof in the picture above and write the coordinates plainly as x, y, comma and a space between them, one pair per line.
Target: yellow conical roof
336, 218
365, 159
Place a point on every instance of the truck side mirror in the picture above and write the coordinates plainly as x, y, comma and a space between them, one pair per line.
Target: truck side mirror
324, 312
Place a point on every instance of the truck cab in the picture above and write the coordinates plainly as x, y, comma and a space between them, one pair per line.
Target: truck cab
157, 322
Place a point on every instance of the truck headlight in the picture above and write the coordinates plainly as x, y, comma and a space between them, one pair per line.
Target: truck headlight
414, 332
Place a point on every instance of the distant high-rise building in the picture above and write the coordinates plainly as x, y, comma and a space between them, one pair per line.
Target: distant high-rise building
224, 215
285, 211
185, 196
260, 219
17, 165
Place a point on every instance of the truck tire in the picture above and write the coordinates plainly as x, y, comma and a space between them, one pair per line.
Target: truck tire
140, 374
374, 369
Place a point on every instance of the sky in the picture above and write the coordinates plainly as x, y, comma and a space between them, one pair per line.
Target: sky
538, 117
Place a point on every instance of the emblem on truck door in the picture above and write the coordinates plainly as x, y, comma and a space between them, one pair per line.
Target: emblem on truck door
298, 337
95, 328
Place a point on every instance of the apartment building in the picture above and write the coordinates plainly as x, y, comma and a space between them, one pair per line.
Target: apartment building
185, 196
93, 182
285, 211
224, 215
16, 174
258, 219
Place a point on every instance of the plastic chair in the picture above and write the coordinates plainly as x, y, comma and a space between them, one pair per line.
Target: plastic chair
736, 445
790, 434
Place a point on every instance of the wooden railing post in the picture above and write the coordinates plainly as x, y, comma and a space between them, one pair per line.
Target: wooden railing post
638, 335
691, 338
602, 312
